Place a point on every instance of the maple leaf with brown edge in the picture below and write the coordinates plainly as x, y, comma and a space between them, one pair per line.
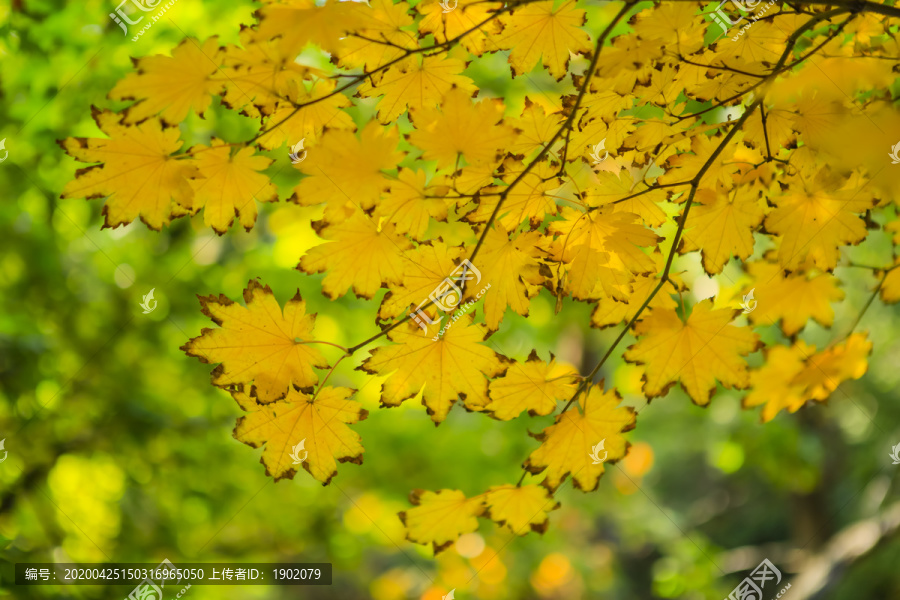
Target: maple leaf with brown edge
608, 312
301, 21
304, 115
260, 74
566, 445
601, 250
815, 224
319, 421
428, 265
456, 365
139, 174
345, 171
362, 254
534, 386
451, 25
382, 40
521, 509
417, 82
530, 200
258, 343
544, 30
231, 185
461, 127
439, 518
173, 86
722, 226
514, 272
697, 352
408, 204
794, 299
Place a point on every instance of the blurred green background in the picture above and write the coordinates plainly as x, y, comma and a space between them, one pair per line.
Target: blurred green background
120, 450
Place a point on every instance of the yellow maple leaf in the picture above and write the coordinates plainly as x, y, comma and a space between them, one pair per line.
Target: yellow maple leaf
722, 226
674, 23
628, 61
231, 185
139, 174
172, 86
318, 424
815, 224
827, 369
697, 352
417, 82
306, 114
258, 343
595, 428
520, 509
530, 200
301, 22
664, 88
345, 171
534, 386
588, 134
817, 113
513, 270
381, 40
462, 127
603, 104
610, 188
777, 129
469, 18
683, 167
794, 299
455, 365
536, 128
792, 376
260, 74
540, 30
609, 312
429, 264
409, 204
771, 384
361, 254
601, 250
440, 517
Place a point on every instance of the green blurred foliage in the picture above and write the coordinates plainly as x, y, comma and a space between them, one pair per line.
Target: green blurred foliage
120, 450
